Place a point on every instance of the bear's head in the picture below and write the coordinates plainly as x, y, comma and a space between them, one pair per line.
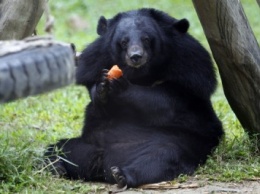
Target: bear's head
151, 47
138, 39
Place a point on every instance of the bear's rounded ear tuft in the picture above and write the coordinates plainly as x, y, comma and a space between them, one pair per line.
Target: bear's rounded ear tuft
102, 26
182, 25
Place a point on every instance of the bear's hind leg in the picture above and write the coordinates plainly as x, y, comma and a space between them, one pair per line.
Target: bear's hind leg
140, 164
73, 158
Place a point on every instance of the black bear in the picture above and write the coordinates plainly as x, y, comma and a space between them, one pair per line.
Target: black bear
156, 121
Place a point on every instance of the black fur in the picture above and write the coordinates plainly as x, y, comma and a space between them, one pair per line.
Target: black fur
154, 123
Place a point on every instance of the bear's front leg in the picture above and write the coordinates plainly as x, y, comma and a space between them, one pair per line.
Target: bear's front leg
101, 89
107, 89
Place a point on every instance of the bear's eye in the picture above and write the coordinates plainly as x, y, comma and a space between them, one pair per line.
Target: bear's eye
124, 43
146, 40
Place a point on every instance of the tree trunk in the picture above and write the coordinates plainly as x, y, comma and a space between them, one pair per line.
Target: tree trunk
237, 55
18, 18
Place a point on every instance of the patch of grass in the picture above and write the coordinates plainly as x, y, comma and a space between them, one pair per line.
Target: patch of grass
236, 159
27, 126
90, 11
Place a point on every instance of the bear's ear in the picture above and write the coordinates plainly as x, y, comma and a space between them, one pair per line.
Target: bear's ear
102, 26
182, 25
165, 20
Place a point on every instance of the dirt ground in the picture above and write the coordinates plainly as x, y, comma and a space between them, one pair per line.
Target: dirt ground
202, 187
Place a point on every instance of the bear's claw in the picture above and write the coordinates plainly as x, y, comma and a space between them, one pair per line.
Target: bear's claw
119, 177
103, 88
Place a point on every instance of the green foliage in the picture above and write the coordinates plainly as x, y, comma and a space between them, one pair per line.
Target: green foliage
90, 11
236, 159
27, 126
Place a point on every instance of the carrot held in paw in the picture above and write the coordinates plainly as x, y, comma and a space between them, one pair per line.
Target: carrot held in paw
114, 73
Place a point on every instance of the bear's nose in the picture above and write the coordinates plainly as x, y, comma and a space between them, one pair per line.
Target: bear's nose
135, 58
135, 53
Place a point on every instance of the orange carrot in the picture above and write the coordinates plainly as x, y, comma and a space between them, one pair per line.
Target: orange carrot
114, 73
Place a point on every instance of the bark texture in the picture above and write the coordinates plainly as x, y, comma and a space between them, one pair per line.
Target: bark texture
18, 18
237, 55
